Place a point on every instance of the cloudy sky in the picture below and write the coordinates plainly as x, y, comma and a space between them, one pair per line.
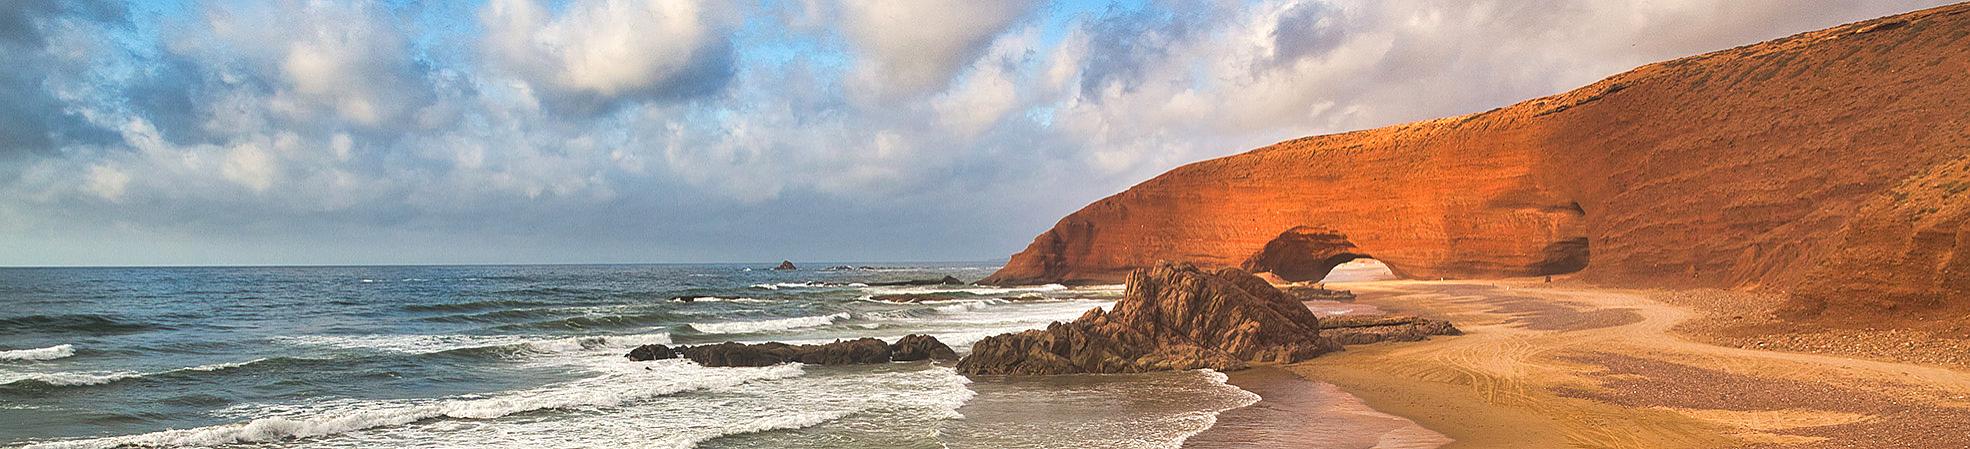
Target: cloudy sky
514, 131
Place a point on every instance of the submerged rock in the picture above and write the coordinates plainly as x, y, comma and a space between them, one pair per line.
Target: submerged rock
652, 352
1171, 317
786, 265
846, 352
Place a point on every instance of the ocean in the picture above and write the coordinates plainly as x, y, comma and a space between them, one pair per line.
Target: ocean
532, 356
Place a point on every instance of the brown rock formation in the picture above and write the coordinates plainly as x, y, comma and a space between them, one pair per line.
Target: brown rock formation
1171, 317
1785, 165
1317, 294
920, 347
848, 352
1360, 330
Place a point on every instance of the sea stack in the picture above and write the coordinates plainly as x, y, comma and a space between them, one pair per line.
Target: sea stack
786, 265
1171, 317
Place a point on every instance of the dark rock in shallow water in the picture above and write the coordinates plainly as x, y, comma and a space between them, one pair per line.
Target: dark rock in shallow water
652, 352
849, 352
920, 347
1171, 317
1376, 329
1319, 294
852, 352
786, 265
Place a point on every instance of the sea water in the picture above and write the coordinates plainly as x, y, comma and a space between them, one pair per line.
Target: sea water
532, 356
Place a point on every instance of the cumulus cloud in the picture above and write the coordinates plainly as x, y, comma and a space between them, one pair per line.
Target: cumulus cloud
600, 52
619, 130
915, 47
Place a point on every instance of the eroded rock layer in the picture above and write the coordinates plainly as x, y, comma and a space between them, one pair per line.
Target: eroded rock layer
1784, 165
1361, 330
1171, 317
841, 352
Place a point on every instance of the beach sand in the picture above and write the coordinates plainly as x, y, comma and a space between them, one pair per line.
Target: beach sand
1564, 365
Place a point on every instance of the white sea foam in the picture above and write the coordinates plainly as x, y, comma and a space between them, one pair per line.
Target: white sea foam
425, 344
103, 377
722, 299
969, 306
48, 353
71, 379
781, 285
609, 390
920, 289
224, 366
1241, 398
746, 327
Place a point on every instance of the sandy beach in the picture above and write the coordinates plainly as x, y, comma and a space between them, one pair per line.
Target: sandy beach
1563, 365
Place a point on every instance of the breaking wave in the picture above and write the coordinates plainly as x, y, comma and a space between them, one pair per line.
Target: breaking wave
747, 327
48, 353
605, 391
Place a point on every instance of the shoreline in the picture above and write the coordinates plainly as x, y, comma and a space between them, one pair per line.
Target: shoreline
1287, 401
1566, 365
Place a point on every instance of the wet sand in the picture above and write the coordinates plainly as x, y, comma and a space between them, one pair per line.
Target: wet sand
1293, 412
1558, 365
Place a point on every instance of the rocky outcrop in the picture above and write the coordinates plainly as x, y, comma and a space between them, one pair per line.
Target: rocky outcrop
786, 265
1361, 330
848, 352
1170, 317
652, 352
1318, 294
920, 347
1773, 166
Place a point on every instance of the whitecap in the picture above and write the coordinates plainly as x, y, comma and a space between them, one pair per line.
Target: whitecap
72, 379
745, 327
968, 305
722, 299
48, 353
224, 366
426, 344
1024, 289
781, 285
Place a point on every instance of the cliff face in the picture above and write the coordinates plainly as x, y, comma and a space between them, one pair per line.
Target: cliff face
1828, 163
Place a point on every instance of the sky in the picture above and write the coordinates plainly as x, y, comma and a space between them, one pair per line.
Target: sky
614, 131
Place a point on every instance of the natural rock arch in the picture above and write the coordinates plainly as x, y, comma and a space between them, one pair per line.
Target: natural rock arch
1306, 253
1826, 165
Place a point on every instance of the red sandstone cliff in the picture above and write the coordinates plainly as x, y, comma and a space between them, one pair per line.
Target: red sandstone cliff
1830, 164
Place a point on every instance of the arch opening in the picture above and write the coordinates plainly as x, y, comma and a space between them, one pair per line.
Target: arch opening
1362, 269
1305, 254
